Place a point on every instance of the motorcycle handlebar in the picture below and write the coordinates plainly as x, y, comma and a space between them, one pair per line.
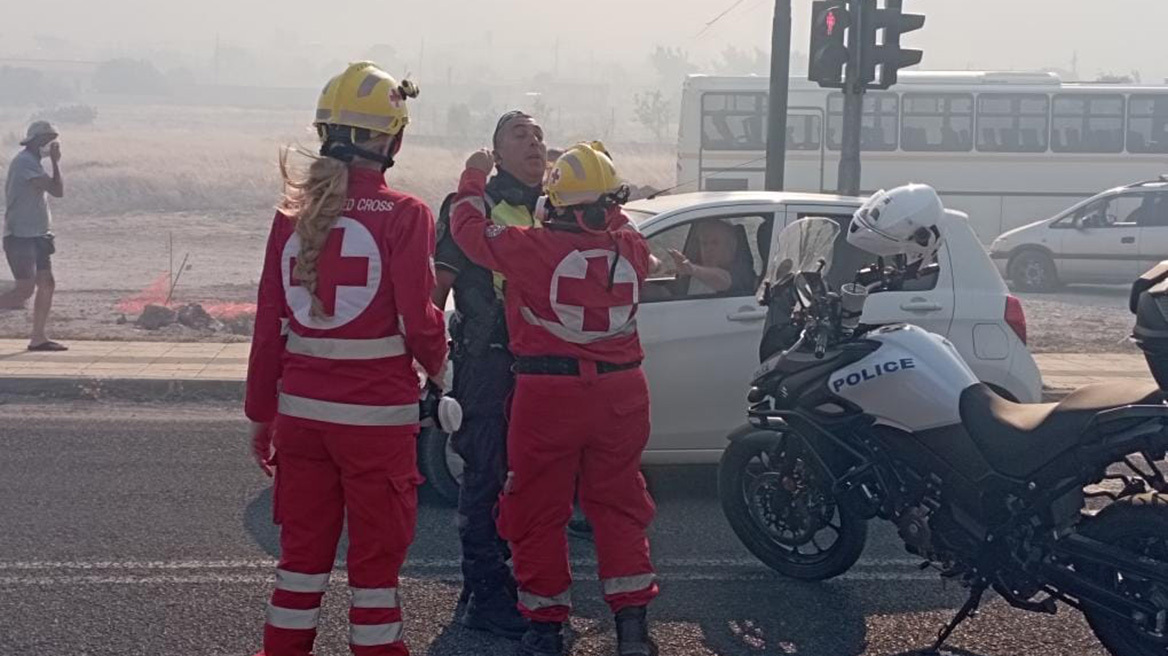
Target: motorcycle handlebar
821, 344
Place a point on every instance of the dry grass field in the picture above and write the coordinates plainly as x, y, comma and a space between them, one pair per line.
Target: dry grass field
205, 179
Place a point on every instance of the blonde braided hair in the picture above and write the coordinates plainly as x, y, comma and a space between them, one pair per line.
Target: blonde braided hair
315, 201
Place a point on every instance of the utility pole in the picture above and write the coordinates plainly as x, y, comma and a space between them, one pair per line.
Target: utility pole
776, 146
849, 165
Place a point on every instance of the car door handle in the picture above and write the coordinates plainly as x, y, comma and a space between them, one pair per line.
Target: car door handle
746, 315
1128, 240
920, 306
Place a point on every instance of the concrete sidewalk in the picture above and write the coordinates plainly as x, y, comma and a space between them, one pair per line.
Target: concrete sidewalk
126, 370
167, 370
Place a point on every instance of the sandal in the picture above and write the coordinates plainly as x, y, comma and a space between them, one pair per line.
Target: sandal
49, 345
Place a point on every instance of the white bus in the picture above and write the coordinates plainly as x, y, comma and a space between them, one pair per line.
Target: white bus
1007, 148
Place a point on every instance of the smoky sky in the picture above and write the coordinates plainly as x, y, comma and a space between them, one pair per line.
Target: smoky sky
519, 37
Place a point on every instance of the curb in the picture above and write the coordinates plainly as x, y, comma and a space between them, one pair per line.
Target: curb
123, 389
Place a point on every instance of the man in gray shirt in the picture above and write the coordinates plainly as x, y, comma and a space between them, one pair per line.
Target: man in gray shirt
28, 239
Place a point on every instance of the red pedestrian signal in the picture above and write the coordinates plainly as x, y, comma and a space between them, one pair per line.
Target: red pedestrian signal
829, 47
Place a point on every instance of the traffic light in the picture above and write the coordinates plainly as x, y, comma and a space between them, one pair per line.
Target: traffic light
880, 44
830, 21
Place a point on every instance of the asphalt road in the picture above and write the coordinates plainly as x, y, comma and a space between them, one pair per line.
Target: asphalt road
131, 530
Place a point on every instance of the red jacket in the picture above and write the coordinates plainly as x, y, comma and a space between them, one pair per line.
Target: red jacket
558, 298
375, 275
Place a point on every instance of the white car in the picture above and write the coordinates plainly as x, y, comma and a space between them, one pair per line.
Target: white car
1109, 238
701, 349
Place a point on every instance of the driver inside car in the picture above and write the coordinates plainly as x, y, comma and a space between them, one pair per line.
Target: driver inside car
722, 265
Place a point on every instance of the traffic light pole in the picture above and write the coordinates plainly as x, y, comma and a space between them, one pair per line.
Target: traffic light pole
849, 166
776, 147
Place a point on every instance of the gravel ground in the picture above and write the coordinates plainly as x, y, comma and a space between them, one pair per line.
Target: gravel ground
1081, 319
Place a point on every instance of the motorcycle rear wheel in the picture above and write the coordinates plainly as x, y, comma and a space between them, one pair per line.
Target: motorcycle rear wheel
1138, 523
779, 505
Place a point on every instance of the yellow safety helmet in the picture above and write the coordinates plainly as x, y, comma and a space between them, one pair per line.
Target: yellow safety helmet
365, 97
583, 175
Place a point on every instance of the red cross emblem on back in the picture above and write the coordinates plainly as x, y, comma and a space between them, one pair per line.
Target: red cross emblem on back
334, 270
592, 294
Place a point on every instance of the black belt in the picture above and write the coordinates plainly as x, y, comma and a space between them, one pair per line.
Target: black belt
558, 366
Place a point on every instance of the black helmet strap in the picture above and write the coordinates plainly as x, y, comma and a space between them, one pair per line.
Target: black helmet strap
340, 142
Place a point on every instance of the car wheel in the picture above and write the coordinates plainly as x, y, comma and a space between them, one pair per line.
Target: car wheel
438, 462
1034, 271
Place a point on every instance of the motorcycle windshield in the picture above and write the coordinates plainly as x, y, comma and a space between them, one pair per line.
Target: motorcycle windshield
805, 245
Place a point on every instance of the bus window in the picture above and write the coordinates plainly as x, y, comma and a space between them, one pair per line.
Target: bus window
1147, 125
1087, 123
937, 122
1013, 123
879, 128
734, 121
738, 121
804, 131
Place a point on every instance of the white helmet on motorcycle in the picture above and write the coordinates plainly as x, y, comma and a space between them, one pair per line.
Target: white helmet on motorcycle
899, 222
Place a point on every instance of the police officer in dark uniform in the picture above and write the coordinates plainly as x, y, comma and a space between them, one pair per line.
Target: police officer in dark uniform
483, 379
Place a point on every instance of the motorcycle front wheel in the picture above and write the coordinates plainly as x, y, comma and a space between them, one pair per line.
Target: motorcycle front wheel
1138, 525
781, 507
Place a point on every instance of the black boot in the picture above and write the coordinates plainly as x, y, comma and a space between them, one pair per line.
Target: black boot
632, 633
494, 611
543, 639
463, 600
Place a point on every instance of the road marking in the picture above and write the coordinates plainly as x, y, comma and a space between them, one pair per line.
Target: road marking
258, 571
340, 579
420, 563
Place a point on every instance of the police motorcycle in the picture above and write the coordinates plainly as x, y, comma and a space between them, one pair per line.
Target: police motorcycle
850, 422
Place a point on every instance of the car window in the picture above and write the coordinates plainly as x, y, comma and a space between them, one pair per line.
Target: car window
1155, 213
847, 259
1120, 211
737, 245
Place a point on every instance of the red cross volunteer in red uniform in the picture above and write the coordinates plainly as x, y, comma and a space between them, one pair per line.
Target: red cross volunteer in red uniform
581, 405
344, 312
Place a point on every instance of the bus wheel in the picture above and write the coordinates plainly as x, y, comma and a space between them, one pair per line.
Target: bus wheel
1034, 271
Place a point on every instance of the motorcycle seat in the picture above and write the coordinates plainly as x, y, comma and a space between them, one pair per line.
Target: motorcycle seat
1018, 439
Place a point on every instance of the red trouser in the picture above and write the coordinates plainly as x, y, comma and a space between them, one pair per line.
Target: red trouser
586, 430
322, 476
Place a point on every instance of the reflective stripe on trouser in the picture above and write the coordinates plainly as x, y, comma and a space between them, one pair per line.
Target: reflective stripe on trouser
295, 604
627, 584
375, 619
597, 452
533, 602
325, 476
